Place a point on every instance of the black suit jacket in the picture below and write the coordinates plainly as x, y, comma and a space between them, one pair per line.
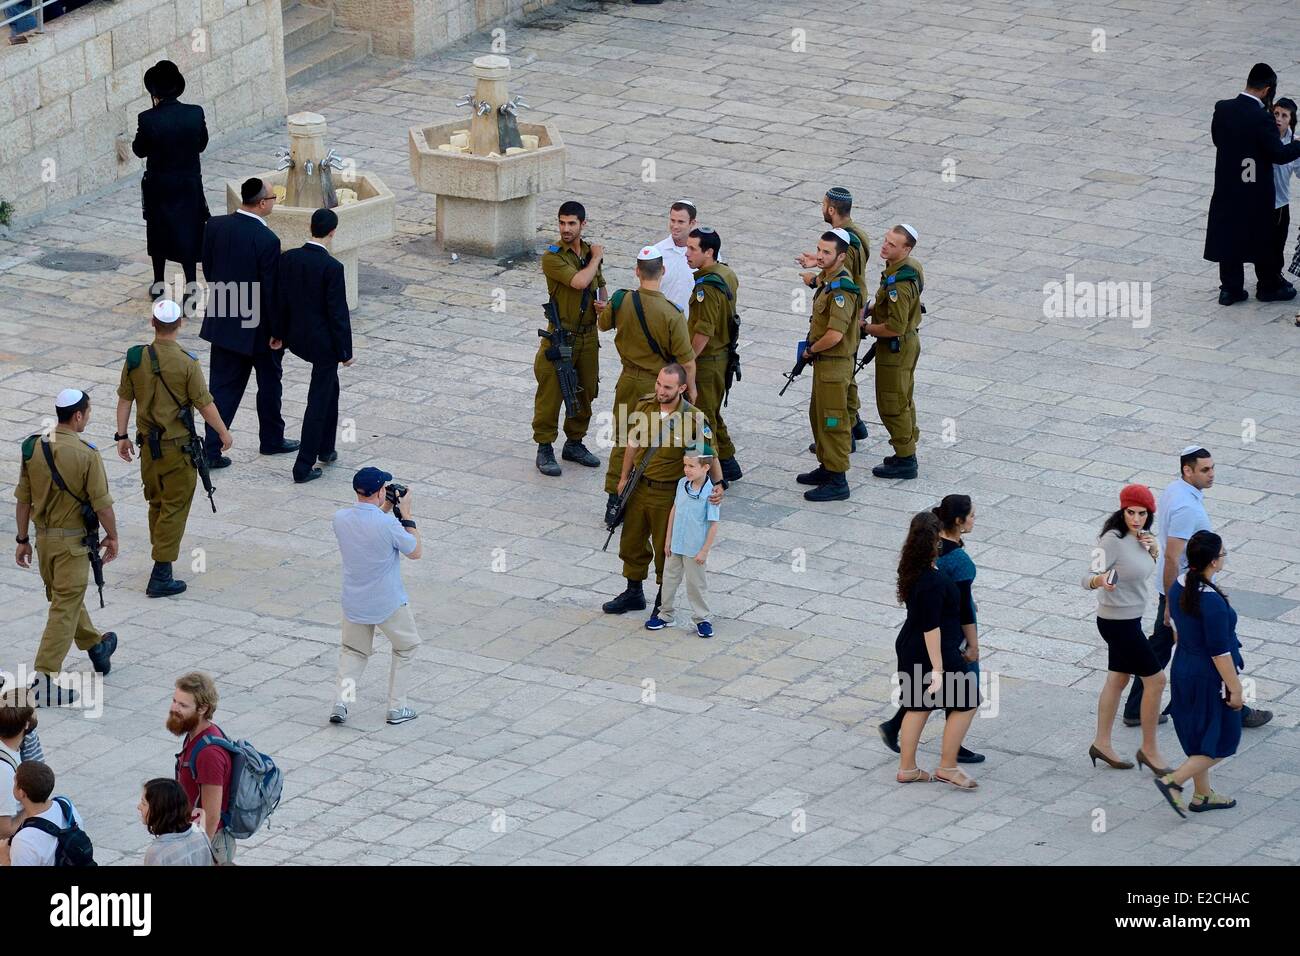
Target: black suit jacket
240, 263
169, 138
1241, 210
312, 314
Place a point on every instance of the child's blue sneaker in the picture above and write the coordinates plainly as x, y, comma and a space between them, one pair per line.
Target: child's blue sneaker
656, 623
704, 629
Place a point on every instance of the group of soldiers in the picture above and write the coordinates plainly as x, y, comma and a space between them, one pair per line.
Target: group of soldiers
683, 358
63, 490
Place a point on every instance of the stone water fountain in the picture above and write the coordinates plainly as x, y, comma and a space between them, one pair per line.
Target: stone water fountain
308, 178
487, 176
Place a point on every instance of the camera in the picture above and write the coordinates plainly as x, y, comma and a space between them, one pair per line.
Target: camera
393, 492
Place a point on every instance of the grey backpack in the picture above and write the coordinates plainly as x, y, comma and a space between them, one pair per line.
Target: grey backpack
255, 784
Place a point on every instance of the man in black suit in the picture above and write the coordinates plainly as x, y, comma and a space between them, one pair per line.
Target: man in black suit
169, 138
312, 319
241, 256
1240, 227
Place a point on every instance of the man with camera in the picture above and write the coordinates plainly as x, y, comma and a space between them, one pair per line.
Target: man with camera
373, 535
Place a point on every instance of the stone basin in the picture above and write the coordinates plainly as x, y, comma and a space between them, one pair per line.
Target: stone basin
486, 205
370, 219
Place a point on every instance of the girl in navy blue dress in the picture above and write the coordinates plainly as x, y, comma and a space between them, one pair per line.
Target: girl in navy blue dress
1206, 694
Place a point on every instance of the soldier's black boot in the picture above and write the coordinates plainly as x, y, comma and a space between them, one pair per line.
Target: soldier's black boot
546, 462
836, 488
161, 582
730, 470
815, 477
577, 451
101, 652
632, 599
900, 467
860, 429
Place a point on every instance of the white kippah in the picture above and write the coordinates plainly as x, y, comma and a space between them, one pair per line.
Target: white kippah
166, 311
686, 202
1189, 449
648, 252
69, 397
910, 231
844, 235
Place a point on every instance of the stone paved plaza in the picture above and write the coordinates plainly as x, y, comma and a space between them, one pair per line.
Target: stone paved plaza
551, 733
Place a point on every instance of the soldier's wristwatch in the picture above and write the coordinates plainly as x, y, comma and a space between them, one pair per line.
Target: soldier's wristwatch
22, 539
121, 438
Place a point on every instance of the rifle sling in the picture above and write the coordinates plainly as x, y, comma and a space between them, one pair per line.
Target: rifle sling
58, 478
640, 317
182, 407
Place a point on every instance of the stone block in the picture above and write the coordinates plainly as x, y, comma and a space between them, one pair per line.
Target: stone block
162, 25
213, 10
224, 36
62, 74
217, 76
51, 121
30, 203
125, 84
72, 29
15, 140
99, 56
131, 42
69, 151
99, 139
98, 171
19, 96
234, 104
189, 14
234, 5
110, 16
24, 58
251, 59
90, 104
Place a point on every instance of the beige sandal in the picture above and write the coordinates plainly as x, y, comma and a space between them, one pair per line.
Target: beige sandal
916, 775
968, 785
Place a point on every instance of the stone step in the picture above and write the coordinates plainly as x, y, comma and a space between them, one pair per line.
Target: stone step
331, 52
305, 24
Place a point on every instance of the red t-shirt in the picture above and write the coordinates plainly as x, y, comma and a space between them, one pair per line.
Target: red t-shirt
212, 767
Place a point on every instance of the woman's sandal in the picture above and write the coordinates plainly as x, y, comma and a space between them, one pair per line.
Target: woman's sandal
968, 785
1168, 787
915, 775
1212, 801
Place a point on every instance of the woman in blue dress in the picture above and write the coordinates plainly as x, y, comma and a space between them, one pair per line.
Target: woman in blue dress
1206, 693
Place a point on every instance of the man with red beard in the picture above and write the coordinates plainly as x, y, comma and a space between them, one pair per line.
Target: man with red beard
207, 782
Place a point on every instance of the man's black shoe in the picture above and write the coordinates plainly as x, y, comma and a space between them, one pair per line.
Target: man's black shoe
900, 467
576, 451
286, 445
968, 756
161, 582
632, 599
101, 652
731, 470
546, 462
836, 488
860, 429
1282, 294
1232, 298
888, 735
328, 458
818, 476
221, 461
1256, 717
310, 476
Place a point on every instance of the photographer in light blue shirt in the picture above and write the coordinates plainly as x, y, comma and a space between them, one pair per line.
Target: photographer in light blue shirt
372, 540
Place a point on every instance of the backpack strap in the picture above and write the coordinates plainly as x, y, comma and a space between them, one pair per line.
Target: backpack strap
640, 317
715, 280
4, 755
49, 827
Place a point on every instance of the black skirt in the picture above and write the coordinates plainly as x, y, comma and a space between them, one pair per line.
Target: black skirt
1130, 651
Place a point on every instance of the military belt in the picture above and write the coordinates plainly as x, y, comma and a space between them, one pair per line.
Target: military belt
142, 440
637, 370
659, 485
711, 356
823, 357
60, 533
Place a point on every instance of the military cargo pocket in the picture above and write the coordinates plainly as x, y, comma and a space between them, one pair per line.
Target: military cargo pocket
832, 405
889, 404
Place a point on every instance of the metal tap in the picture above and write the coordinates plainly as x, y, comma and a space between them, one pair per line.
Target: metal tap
514, 105
465, 100
332, 160
285, 161
483, 108
307, 167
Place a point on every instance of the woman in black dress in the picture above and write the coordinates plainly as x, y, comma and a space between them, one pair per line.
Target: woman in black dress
169, 138
931, 670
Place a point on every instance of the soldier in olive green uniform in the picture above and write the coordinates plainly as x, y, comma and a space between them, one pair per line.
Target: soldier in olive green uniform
60, 540
836, 206
830, 350
713, 303
166, 384
643, 349
662, 424
896, 316
575, 287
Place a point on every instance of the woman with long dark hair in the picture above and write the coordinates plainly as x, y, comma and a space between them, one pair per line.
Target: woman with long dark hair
1206, 693
956, 514
1121, 574
931, 670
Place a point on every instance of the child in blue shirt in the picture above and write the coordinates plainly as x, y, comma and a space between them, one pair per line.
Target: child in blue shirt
692, 529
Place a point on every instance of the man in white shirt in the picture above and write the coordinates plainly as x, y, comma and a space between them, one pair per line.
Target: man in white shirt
31, 845
678, 278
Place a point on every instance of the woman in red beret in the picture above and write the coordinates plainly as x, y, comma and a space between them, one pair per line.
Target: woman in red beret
1123, 564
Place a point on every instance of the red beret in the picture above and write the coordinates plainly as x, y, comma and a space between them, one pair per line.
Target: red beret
1137, 496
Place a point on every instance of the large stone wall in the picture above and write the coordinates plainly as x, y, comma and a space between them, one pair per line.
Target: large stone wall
69, 96
413, 28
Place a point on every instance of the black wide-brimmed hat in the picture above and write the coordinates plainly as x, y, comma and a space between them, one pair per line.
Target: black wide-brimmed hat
164, 80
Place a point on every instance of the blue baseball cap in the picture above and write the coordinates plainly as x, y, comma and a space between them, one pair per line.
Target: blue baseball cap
369, 480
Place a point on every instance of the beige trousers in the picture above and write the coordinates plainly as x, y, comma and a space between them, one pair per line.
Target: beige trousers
358, 644
677, 567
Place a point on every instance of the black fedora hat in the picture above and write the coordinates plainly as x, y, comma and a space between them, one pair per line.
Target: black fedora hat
164, 80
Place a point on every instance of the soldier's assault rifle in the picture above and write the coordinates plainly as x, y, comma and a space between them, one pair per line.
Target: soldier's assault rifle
560, 354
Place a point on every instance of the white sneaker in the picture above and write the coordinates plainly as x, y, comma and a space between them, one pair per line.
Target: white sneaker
339, 714
401, 716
